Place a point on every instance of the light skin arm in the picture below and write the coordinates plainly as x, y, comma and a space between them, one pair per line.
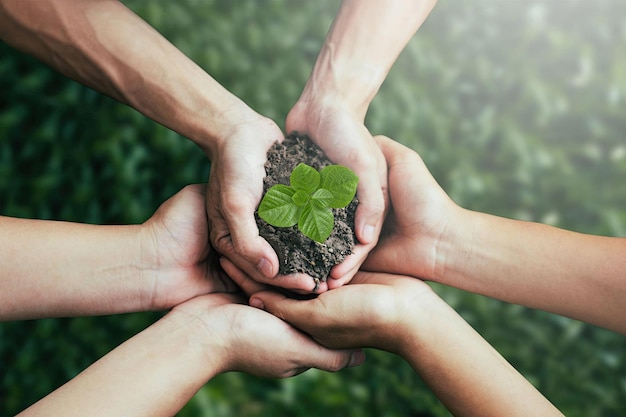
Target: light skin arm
60, 269
104, 45
364, 41
532, 264
404, 316
159, 370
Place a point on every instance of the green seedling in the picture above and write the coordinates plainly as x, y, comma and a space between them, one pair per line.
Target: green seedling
309, 198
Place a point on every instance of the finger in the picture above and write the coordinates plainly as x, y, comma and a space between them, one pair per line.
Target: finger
335, 360
231, 202
343, 273
392, 150
240, 278
302, 314
370, 211
297, 283
244, 239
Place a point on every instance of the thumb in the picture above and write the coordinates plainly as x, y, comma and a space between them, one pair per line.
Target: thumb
296, 312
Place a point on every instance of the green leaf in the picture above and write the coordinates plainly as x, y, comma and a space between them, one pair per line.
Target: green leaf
322, 197
277, 206
341, 182
305, 178
316, 223
300, 198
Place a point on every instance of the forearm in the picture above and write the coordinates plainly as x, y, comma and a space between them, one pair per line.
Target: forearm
105, 46
464, 371
152, 374
539, 266
53, 269
360, 48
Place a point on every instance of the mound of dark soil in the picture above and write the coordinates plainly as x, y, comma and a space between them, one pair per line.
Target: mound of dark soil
296, 252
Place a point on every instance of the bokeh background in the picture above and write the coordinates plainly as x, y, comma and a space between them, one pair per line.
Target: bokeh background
518, 108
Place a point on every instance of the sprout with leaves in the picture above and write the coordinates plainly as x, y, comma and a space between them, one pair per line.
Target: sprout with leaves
309, 198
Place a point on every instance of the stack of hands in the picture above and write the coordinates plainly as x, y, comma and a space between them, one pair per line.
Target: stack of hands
200, 256
224, 320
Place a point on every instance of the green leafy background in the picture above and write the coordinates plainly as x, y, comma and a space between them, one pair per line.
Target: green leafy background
517, 107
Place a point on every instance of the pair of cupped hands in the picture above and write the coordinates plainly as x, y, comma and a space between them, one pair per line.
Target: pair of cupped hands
362, 302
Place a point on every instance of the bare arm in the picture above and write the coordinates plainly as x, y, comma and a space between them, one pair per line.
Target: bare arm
105, 46
364, 41
404, 316
53, 269
157, 372
573, 274
360, 48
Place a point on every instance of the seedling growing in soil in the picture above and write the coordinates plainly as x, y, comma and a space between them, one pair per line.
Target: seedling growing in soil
309, 198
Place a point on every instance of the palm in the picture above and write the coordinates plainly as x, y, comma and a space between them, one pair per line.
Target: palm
346, 141
420, 213
183, 253
235, 189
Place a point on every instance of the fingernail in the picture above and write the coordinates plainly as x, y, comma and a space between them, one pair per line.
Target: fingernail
368, 233
265, 267
255, 302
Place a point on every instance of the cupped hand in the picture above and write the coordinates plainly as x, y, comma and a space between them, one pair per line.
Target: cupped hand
346, 141
176, 250
420, 219
374, 310
249, 340
234, 192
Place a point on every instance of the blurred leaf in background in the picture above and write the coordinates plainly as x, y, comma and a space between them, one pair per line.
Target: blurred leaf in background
516, 106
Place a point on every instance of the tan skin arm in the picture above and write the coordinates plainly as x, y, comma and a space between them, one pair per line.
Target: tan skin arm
61, 269
364, 41
104, 45
539, 266
403, 315
158, 371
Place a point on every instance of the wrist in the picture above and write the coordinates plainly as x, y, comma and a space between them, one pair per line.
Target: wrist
150, 266
200, 340
331, 89
419, 324
452, 247
238, 121
207, 336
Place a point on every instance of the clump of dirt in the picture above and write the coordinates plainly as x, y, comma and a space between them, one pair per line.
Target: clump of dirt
296, 252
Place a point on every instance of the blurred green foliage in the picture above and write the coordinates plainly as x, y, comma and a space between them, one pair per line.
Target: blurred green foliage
516, 106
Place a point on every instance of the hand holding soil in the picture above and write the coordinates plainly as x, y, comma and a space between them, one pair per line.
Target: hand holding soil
297, 253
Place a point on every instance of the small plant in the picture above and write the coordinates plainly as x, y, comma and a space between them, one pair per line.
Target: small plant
309, 198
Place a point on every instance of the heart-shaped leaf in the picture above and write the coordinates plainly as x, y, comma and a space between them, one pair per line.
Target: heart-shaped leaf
322, 197
341, 182
316, 223
305, 178
277, 206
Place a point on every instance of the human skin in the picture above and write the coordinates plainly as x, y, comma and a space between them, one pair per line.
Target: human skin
430, 237
365, 39
402, 315
62, 269
158, 371
105, 46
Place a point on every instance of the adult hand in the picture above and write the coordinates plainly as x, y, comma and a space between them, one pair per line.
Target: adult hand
156, 372
374, 310
234, 192
176, 247
346, 141
420, 214
249, 340
404, 316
